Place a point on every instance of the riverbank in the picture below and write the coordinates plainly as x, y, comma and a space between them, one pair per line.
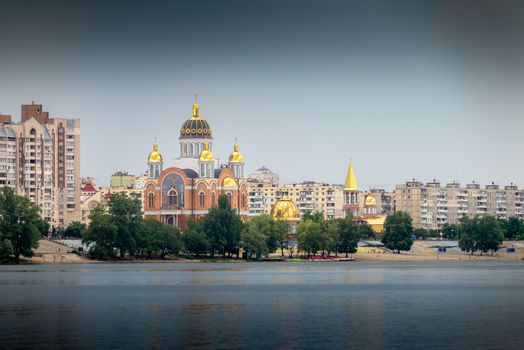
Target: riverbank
50, 252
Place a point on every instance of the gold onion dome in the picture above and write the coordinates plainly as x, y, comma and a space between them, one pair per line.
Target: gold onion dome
155, 156
236, 156
206, 155
195, 126
370, 201
285, 209
228, 182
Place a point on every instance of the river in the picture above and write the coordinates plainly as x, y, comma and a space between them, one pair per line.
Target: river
354, 305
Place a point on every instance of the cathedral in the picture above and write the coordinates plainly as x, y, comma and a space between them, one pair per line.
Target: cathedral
192, 185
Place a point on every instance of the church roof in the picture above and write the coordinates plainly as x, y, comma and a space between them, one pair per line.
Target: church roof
351, 181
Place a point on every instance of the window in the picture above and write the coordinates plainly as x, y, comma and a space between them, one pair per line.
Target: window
151, 200
213, 199
229, 195
172, 197
202, 197
243, 200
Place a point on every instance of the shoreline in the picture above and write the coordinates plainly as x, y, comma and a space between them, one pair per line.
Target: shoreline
50, 252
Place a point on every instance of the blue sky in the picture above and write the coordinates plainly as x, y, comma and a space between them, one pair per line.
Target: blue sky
407, 89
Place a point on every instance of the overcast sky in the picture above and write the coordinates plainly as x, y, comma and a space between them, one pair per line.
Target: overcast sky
406, 89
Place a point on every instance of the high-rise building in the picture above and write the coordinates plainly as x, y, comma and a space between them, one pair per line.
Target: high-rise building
431, 205
40, 158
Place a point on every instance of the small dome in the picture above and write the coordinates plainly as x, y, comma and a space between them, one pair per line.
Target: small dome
236, 156
206, 155
195, 126
155, 156
229, 182
370, 201
285, 209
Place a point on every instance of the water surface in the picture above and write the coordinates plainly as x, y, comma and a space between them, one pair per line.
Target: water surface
430, 305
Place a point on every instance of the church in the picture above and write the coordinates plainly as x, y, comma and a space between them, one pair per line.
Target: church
190, 187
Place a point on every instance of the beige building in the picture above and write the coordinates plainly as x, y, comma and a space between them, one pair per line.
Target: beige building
40, 157
431, 205
308, 196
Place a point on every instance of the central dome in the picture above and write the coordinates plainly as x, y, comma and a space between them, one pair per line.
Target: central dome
195, 127
285, 209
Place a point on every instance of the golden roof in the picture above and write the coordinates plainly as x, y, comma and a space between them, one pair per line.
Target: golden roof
351, 181
236, 156
195, 126
155, 156
229, 182
370, 201
285, 209
206, 155
376, 223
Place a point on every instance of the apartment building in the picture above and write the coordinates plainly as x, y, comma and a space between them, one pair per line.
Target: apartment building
40, 158
431, 205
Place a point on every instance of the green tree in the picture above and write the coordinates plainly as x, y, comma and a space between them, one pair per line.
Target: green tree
348, 235
365, 231
194, 238
254, 242
280, 231
125, 214
450, 231
489, 235
148, 238
421, 233
75, 229
480, 234
315, 216
6, 248
20, 223
100, 234
398, 232
513, 227
467, 233
223, 227
309, 236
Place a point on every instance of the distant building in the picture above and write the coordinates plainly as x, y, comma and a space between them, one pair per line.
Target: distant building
40, 158
264, 175
431, 205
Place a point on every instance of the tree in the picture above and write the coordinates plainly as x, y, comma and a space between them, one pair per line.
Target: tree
450, 231
489, 234
315, 216
125, 214
348, 235
75, 229
513, 227
254, 242
480, 234
101, 234
365, 231
467, 233
194, 238
20, 224
6, 248
280, 231
169, 241
310, 237
223, 227
398, 232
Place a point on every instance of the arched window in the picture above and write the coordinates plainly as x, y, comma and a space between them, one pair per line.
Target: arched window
229, 197
151, 200
172, 197
213, 199
190, 149
243, 200
202, 197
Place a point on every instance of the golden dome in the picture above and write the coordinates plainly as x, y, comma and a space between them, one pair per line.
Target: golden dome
155, 156
285, 209
236, 156
370, 201
195, 126
229, 182
206, 155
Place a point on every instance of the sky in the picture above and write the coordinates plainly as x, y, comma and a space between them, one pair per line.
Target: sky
405, 89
